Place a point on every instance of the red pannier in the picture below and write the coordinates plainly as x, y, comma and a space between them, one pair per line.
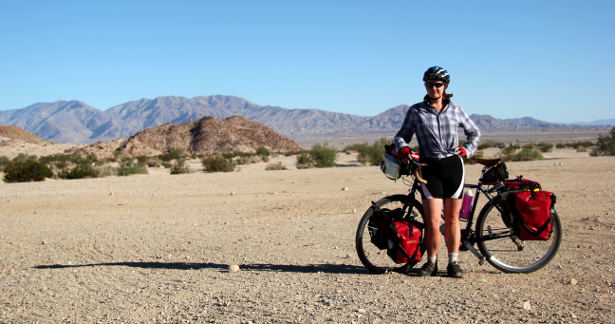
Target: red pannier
532, 211
408, 236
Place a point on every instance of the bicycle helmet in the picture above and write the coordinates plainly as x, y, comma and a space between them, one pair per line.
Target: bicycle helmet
437, 73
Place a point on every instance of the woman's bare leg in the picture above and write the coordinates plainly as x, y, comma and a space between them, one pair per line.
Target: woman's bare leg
452, 234
432, 209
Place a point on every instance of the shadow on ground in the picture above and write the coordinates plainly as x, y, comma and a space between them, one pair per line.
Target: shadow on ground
309, 268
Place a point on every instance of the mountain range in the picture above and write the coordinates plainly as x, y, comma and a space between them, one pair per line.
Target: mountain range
78, 123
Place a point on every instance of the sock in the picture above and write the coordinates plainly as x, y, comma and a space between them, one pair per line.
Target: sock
452, 257
433, 259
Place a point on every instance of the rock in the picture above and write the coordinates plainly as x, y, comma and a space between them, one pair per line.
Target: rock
233, 268
573, 281
232, 193
362, 311
345, 189
527, 305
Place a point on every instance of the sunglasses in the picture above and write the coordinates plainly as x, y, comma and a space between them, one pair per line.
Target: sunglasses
434, 84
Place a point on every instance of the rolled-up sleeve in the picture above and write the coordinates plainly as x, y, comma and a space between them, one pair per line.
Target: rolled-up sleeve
404, 135
471, 131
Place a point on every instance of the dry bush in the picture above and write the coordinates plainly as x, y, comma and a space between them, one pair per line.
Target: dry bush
275, 166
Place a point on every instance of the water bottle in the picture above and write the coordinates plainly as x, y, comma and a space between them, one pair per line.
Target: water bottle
466, 205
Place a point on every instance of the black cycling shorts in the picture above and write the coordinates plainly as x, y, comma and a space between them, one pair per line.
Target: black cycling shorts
444, 177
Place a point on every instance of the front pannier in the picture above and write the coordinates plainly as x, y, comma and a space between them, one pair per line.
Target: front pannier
532, 214
407, 242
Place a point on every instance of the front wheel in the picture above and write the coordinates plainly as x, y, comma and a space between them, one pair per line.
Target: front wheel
374, 259
505, 251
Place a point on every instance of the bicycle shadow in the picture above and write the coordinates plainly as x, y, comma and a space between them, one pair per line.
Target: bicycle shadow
264, 267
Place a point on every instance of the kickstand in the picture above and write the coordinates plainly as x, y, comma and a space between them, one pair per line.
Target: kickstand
481, 258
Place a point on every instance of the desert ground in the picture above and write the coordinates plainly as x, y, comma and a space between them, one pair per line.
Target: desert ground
156, 248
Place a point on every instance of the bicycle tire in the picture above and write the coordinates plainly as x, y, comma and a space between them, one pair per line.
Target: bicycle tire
503, 252
375, 260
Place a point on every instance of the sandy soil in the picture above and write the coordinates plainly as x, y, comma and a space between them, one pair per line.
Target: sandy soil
156, 248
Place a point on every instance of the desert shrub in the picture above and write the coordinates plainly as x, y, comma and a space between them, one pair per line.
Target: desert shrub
358, 147
180, 167
560, 145
544, 147
174, 153
510, 149
154, 162
373, 154
247, 159
605, 144
323, 155
4, 161
129, 166
526, 154
81, 170
263, 151
275, 166
26, 168
218, 163
305, 161
490, 143
105, 170
117, 155
576, 145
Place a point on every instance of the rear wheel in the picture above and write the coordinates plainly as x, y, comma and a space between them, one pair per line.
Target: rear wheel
505, 251
374, 259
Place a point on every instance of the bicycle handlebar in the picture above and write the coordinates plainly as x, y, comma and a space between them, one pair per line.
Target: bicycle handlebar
417, 174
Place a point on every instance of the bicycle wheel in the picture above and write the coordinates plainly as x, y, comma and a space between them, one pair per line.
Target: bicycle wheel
505, 251
374, 259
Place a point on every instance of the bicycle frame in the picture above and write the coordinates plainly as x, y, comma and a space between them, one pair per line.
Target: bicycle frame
468, 238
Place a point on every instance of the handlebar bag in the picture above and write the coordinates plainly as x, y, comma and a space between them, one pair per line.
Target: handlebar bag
407, 238
532, 213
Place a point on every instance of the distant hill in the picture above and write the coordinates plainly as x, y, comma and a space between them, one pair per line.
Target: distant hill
16, 133
602, 122
76, 122
202, 136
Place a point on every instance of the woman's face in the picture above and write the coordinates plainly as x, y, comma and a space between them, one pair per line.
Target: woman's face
435, 88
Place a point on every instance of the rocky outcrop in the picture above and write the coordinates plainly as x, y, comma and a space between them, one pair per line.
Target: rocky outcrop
204, 136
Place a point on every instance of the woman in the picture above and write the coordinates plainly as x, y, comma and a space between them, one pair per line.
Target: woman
435, 122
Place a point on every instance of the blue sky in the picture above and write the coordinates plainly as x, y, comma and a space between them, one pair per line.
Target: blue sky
552, 60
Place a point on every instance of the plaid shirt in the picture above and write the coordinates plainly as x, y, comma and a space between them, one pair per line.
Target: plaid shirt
437, 132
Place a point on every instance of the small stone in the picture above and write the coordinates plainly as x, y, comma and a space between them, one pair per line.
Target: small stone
345, 189
573, 315
354, 211
362, 311
527, 306
233, 268
232, 193
573, 281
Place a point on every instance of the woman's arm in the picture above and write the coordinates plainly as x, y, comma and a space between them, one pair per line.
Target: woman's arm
471, 131
404, 135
